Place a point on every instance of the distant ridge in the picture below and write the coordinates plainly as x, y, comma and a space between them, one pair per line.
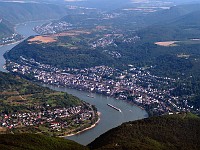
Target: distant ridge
191, 19
23, 12
7, 33
175, 12
6, 28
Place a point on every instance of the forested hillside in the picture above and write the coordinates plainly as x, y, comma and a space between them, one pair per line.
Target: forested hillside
37, 142
6, 29
12, 13
7, 33
16, 12
29, 108
175, 132
21, 95
168, 15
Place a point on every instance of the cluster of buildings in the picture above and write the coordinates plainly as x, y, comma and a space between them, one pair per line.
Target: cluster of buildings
137, 85
106, 16
53, 27
113, 54
11, 39
53, 119
102, 42
110, 39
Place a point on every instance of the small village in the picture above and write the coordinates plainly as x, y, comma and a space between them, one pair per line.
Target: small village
52, 28
136, 85
11, 39
53, 119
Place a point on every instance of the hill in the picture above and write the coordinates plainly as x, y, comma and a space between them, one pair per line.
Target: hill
29, 108
14, 87
188, 20
7, 33
177, 23
16, 12
6, 28
87, 41
36, 142
164, 16
175, 132
12, 13
100, 4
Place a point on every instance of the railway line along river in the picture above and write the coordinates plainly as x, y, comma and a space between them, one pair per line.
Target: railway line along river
109, 117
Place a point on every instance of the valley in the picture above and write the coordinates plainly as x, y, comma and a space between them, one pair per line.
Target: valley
115, 60
99, 101
67, 74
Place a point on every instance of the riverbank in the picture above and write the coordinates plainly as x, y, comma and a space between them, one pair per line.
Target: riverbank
117, 98
23, 37
125, 100
88, 128
15, 42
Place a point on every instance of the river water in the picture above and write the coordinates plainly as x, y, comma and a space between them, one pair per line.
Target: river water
109, 117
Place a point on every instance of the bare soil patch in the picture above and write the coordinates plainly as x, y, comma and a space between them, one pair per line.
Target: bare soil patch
167, 43
43, 39
53, 38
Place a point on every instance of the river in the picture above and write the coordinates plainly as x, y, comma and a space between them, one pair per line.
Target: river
109, 117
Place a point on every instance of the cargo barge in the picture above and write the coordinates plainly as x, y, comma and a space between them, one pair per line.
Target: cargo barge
114, 107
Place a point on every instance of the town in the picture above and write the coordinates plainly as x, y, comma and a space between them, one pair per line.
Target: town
11, 39
53, 119
53, 27
136, 84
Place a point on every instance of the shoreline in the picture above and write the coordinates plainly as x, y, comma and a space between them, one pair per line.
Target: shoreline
15, 25
30, 21
129, 102
11, 43
88, 128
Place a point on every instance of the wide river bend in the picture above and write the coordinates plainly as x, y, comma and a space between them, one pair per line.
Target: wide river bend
109, 117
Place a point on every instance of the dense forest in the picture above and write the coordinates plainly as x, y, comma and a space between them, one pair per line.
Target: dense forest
175, 132
36, 142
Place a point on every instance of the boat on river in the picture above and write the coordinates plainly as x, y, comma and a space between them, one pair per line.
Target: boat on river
114, 107
91, 96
